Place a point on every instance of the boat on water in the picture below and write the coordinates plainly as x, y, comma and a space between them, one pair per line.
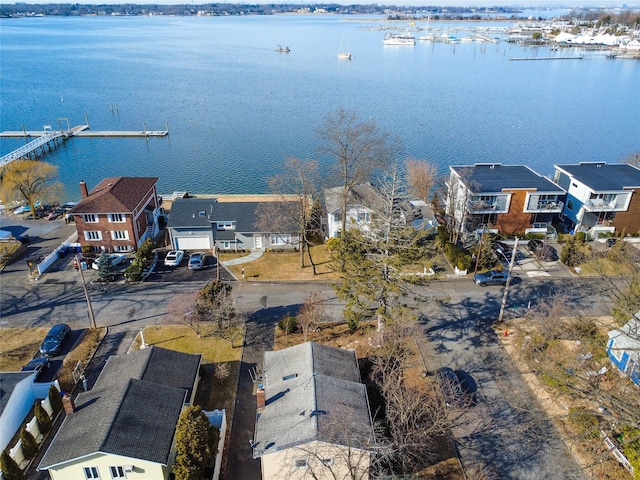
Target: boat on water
399, 39
344, 55
281, 49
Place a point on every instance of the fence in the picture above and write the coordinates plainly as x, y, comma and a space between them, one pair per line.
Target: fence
70, 242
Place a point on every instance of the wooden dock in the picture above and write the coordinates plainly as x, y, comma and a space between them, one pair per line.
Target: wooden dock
46, 139
514, 59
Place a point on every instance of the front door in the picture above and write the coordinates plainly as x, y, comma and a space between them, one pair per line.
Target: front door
258, 242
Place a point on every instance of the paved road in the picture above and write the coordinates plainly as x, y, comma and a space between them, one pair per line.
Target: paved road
505, 430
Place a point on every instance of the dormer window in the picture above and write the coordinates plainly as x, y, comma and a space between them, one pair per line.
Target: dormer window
226, 225
202, 213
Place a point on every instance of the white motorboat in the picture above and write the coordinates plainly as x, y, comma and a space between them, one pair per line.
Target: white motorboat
399, 39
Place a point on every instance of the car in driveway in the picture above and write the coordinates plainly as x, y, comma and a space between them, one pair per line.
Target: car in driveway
173, 258
196, 260
451, 387
115, 259
38, 365
53, 342
492, 277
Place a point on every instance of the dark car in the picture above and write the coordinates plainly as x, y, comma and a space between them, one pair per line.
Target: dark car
451, 387
38, 365
55, 339
492, 277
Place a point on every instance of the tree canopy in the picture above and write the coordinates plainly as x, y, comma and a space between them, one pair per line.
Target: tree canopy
196, 444
30, 180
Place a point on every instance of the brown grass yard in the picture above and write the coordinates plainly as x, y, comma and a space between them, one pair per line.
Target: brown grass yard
285, 266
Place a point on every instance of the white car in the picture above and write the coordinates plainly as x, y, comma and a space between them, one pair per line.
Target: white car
173, 258
114, 259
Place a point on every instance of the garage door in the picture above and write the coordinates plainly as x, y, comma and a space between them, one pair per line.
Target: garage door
192, 243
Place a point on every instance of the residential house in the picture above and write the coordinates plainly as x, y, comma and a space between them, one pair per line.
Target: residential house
623, 348
506, 199
313, 414
365, 202
600, 197
18, 392
202, 223
118, 214
124, 427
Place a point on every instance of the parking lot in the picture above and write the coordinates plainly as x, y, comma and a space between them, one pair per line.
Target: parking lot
182, 273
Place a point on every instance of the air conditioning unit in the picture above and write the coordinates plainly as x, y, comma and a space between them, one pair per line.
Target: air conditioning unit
128, 468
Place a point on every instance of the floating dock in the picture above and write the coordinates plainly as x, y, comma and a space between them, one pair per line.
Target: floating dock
514, 59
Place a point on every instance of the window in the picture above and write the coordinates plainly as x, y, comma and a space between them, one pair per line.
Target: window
363, 216
93, 235
300, 463
326, 461
280, 239
117, 472
336, 217
570, 204
91, 472
119, 235
226, 245
116, 217
90, 218
226, 225
122, 248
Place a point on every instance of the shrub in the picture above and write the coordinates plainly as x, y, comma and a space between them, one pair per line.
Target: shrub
55, 399
586, 423
580, 237
9, 467
458, 257
29, 444
44, 421
288, 324
352, 324
145, 252
333, 244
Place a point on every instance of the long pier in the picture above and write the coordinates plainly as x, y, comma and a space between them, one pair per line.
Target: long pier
48, 138
513, 59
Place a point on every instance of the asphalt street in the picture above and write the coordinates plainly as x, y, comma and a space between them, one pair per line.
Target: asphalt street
505, 430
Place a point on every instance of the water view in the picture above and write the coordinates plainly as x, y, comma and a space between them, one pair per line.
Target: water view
236, 108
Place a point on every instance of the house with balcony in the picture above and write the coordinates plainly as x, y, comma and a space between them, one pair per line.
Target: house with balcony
601, 197
505, 199
124, 427
118, 214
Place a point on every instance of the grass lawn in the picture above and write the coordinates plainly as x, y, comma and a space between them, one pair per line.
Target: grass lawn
18, 346
285, 266
213, 392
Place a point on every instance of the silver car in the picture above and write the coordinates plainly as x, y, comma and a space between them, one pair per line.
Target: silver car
492, 277
196, 261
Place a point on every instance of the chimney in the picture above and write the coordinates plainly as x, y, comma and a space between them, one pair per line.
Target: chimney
260, 398
68, 404
83, 189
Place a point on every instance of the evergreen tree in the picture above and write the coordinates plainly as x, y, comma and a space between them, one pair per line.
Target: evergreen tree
106, 269
44, 421
29, 444
9, 467
195, 445
55, 399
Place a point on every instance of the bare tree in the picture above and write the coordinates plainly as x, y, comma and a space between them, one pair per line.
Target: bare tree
296, 187
421, 177
182, 309
311, 313
358, 149
216, 305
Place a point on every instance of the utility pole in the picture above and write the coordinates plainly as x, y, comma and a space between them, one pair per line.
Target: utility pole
506, 287
92, 318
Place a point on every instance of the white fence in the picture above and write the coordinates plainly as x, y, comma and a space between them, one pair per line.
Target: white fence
70, 242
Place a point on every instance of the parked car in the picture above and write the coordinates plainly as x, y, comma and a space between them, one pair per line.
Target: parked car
55, 339
547, 253
173, 258
492, 277
115, 259
451, 387
38, 365
196, 261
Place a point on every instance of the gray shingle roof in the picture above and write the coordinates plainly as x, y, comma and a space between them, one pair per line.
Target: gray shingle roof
310, 389
603, 177
360, 195
128, 386
495, 178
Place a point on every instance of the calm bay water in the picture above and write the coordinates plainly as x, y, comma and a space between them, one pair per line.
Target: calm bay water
237, 109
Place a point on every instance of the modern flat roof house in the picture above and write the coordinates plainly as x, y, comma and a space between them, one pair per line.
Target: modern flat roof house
506, 199
601, 197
